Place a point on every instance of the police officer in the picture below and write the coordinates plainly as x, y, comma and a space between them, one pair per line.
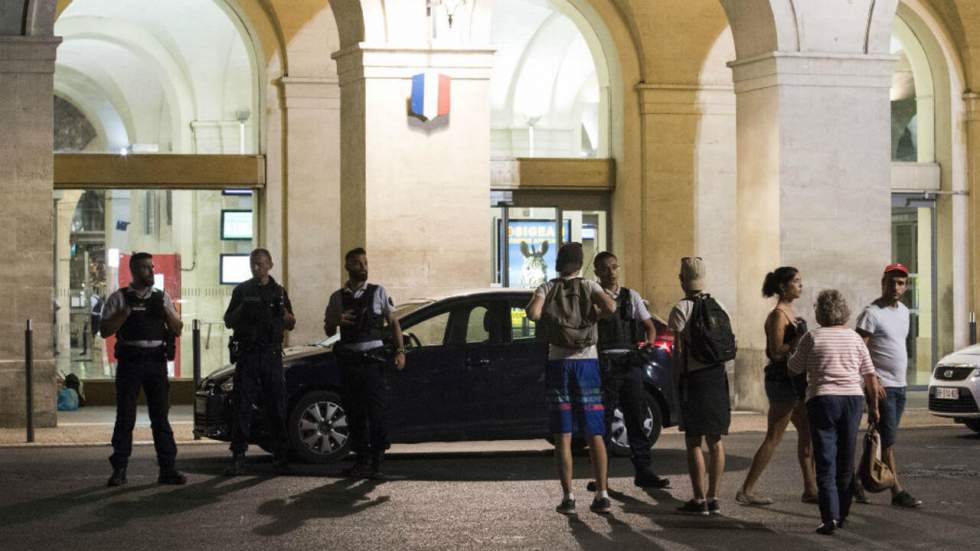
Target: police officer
622, 383
143, 319
361, 310
259, 313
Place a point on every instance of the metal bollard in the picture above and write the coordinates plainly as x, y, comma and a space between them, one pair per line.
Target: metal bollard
973, 328
29, 377
196, 342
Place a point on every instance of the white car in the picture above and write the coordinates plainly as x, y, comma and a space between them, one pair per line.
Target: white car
954, 387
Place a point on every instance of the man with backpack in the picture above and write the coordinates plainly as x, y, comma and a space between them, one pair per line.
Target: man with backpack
704, 342
567, 309
622, 382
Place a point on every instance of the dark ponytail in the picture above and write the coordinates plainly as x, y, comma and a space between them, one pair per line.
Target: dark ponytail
775, 280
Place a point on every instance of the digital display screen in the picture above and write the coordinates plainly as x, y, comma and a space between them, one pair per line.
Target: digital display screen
234, 269
236, 224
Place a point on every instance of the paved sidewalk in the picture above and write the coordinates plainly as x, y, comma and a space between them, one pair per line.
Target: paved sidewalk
92, 426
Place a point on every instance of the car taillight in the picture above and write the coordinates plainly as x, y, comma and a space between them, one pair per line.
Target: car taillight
665, 343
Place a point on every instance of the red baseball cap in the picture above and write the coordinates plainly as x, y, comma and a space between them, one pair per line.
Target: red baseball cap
897, 267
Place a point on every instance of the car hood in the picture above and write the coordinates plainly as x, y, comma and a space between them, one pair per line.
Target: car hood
290, 355
968, 355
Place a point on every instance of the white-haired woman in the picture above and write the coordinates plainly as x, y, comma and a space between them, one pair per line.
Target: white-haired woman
836, 362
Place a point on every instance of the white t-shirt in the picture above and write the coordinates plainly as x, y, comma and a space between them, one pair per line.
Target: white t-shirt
677, 322
888, 327
560, 352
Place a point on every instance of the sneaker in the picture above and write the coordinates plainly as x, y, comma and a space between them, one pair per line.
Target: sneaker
648, 479
566, 507
827, 528
694, 507
749, 499
171, 476
118, 477
237, 467
905, 499
714, 508
600, 505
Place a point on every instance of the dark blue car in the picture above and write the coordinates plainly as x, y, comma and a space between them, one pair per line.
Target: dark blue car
474, 371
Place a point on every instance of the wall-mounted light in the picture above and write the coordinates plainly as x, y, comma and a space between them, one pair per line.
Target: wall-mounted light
450, 6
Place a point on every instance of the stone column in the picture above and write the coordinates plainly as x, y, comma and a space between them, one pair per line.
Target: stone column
26, 176
813, 186
416, 195
311, 232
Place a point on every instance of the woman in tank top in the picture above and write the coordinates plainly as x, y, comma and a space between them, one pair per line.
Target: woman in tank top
783, 331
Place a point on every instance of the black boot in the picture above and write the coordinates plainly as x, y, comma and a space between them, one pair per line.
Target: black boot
645, 478
118, 477
237, 467
170, 475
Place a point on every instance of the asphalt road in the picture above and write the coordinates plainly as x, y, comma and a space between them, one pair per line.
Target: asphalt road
55, 498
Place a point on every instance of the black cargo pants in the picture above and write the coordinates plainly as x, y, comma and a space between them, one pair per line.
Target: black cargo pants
259, 379
622, 387
144, 368
366, 400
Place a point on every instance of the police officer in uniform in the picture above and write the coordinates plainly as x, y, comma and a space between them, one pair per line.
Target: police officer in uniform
259, 313
622, 382
360, 310
143, 320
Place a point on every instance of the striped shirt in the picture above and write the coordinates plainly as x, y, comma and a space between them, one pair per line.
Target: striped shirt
834, 359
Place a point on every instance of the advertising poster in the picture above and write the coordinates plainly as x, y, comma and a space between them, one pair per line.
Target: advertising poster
532, 246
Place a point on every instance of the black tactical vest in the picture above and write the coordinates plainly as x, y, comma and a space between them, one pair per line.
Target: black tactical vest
368, 325
266, 327
621, 330
141, 325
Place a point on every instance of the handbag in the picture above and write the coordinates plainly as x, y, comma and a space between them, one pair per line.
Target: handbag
873, 473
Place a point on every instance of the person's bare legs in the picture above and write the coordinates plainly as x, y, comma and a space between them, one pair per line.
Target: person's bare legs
716, 464
778, 418
695, 465
563, 461
804, 451
600, 463
888, 456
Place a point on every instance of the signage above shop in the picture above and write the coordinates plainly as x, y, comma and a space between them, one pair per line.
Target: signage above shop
430, 96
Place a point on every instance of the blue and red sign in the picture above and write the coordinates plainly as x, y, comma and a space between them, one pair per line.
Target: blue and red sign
430, 96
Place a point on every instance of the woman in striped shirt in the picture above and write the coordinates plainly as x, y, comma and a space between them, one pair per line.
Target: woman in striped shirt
836, 362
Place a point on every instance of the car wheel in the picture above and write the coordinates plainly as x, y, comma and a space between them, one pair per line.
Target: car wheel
618, 439
973, 424
318, 428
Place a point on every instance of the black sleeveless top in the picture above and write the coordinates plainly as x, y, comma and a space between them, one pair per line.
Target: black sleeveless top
778, 368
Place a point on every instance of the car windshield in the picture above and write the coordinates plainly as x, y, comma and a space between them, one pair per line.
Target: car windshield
401, 311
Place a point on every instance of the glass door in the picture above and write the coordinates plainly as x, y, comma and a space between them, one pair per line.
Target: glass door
914, 245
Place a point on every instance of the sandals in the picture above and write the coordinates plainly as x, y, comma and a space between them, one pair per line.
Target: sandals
749, 499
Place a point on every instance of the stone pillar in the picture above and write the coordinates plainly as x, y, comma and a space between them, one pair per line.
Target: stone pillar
311, 232
813, 186
416, 195
26, 176
972, 117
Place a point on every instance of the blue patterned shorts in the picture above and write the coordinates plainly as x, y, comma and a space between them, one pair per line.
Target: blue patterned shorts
574, 391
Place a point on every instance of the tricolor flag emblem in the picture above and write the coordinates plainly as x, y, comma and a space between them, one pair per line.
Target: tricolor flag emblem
430, 96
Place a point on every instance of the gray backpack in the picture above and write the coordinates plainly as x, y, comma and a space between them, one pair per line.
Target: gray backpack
567, 316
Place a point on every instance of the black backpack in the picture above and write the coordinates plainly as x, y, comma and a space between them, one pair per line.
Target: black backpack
709, 333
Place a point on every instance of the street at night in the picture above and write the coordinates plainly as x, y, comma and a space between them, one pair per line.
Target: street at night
466, 496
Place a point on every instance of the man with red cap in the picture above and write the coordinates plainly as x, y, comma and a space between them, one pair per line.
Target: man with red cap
884, 325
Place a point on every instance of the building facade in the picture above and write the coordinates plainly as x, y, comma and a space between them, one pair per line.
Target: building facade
462, 141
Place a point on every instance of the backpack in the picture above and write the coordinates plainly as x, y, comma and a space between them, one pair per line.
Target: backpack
568, 317
709, 333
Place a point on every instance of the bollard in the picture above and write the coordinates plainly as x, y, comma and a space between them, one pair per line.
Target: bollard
973, 328
196, 342
29, 377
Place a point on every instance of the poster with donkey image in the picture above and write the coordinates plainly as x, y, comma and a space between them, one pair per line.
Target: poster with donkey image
532, 246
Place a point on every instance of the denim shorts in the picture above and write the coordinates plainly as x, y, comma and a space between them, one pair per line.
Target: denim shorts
574, 391
890, 414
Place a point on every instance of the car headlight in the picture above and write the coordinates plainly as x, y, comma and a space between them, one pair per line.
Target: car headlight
228, 385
